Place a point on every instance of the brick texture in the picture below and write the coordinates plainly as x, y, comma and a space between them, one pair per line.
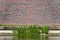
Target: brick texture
30, 12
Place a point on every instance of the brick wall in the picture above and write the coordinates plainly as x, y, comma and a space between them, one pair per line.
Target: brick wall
30, 12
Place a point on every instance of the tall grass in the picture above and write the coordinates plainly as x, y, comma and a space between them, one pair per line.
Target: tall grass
29, 32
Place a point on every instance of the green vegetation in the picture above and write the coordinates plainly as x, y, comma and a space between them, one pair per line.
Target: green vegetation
45, 29
29, 32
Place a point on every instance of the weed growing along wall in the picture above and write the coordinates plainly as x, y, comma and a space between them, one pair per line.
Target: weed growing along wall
30, 32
